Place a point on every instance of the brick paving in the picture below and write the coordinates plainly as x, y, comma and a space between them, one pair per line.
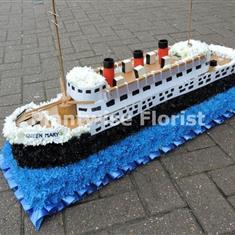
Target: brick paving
188, 191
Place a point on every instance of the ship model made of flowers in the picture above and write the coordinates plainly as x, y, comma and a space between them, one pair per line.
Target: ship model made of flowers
89, 113
105, 122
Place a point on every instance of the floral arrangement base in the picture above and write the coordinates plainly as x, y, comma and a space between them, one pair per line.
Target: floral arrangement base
46, 191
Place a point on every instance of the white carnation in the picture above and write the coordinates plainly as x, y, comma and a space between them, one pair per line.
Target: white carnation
84, 77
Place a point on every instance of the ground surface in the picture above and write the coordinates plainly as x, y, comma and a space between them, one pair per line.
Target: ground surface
189, 191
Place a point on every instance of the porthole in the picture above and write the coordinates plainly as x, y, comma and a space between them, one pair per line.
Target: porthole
110, 103
200, 83
189, 70
96, 109
146, 88
158, 83
169, 79
123, 97
169, 95
82, 109
98, 129
179, 75
198, 67
136, 92
135, 111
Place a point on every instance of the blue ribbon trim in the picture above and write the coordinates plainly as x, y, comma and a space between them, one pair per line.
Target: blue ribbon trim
37, 215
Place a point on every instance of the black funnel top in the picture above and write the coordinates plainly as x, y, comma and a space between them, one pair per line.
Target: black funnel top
108, 63
163, 43
138, 54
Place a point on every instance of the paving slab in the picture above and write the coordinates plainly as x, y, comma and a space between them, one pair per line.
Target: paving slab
10, 219
10, 86
117, 187
177, 222
12, 56
3, 184
196, 162
5, 111
33, 78
232, 122
225, 179
1, 136
103, 213
224, 136
232, 200
156, 189
211, 209
201, 142
33, 92
52, 225
8, 100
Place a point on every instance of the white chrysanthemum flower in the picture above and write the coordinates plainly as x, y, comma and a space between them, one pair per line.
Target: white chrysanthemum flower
185, 51
84, 77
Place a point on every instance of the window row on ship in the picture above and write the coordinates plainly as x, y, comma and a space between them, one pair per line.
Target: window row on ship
86, 91
139, 89
197, 63
148, 103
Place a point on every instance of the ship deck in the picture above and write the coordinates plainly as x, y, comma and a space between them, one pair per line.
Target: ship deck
130, 76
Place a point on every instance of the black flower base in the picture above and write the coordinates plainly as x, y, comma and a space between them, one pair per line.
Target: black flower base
76, 149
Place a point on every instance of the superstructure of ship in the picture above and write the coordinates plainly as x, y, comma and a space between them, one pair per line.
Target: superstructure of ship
94, 103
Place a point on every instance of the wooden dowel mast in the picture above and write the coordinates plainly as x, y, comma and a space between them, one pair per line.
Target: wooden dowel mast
60, 56
190, 21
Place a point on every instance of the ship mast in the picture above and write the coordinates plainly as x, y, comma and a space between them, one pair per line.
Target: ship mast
190, 22
60, 56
